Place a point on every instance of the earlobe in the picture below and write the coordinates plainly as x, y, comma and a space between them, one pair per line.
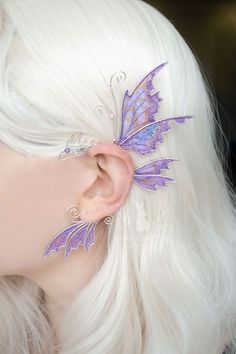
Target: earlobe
111, 187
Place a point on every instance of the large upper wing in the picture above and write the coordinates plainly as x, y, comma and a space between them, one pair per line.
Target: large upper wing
139, 108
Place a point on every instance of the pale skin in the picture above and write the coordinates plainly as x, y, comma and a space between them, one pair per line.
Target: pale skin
35, 193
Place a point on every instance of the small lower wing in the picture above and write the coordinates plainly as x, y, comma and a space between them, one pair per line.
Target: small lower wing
148, 176
151, 183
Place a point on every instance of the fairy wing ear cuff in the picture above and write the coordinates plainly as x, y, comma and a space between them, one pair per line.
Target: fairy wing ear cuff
139, 132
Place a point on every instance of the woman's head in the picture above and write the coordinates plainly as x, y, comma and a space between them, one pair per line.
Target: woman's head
55, 72
164, 274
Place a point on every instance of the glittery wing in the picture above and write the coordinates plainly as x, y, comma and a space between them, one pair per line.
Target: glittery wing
83, 236
145, 139
139, 108
60, 239
81, 233
148, 176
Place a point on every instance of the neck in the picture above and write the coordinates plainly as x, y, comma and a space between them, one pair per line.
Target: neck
63, 280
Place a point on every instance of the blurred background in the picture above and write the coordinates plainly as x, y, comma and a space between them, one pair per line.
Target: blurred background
209, 28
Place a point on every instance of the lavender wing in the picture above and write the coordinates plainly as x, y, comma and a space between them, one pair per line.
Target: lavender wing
60, 239
139, 108
148, 176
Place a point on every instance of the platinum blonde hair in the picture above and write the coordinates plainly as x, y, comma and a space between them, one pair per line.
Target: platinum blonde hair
168, 282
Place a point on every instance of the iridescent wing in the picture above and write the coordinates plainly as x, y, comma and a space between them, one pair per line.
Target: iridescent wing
71, 237
59, 240
139, 130
148, 176
139, 108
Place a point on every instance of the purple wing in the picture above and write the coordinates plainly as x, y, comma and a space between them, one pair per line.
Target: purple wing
83, 236
148, 175
145, 139
139, 108
139, 130
81, 233
60, 239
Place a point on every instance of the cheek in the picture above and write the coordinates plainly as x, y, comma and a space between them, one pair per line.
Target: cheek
30, 202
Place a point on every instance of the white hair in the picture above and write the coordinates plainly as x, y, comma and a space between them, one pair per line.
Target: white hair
168, 282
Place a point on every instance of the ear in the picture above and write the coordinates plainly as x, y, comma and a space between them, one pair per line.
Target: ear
114, 177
